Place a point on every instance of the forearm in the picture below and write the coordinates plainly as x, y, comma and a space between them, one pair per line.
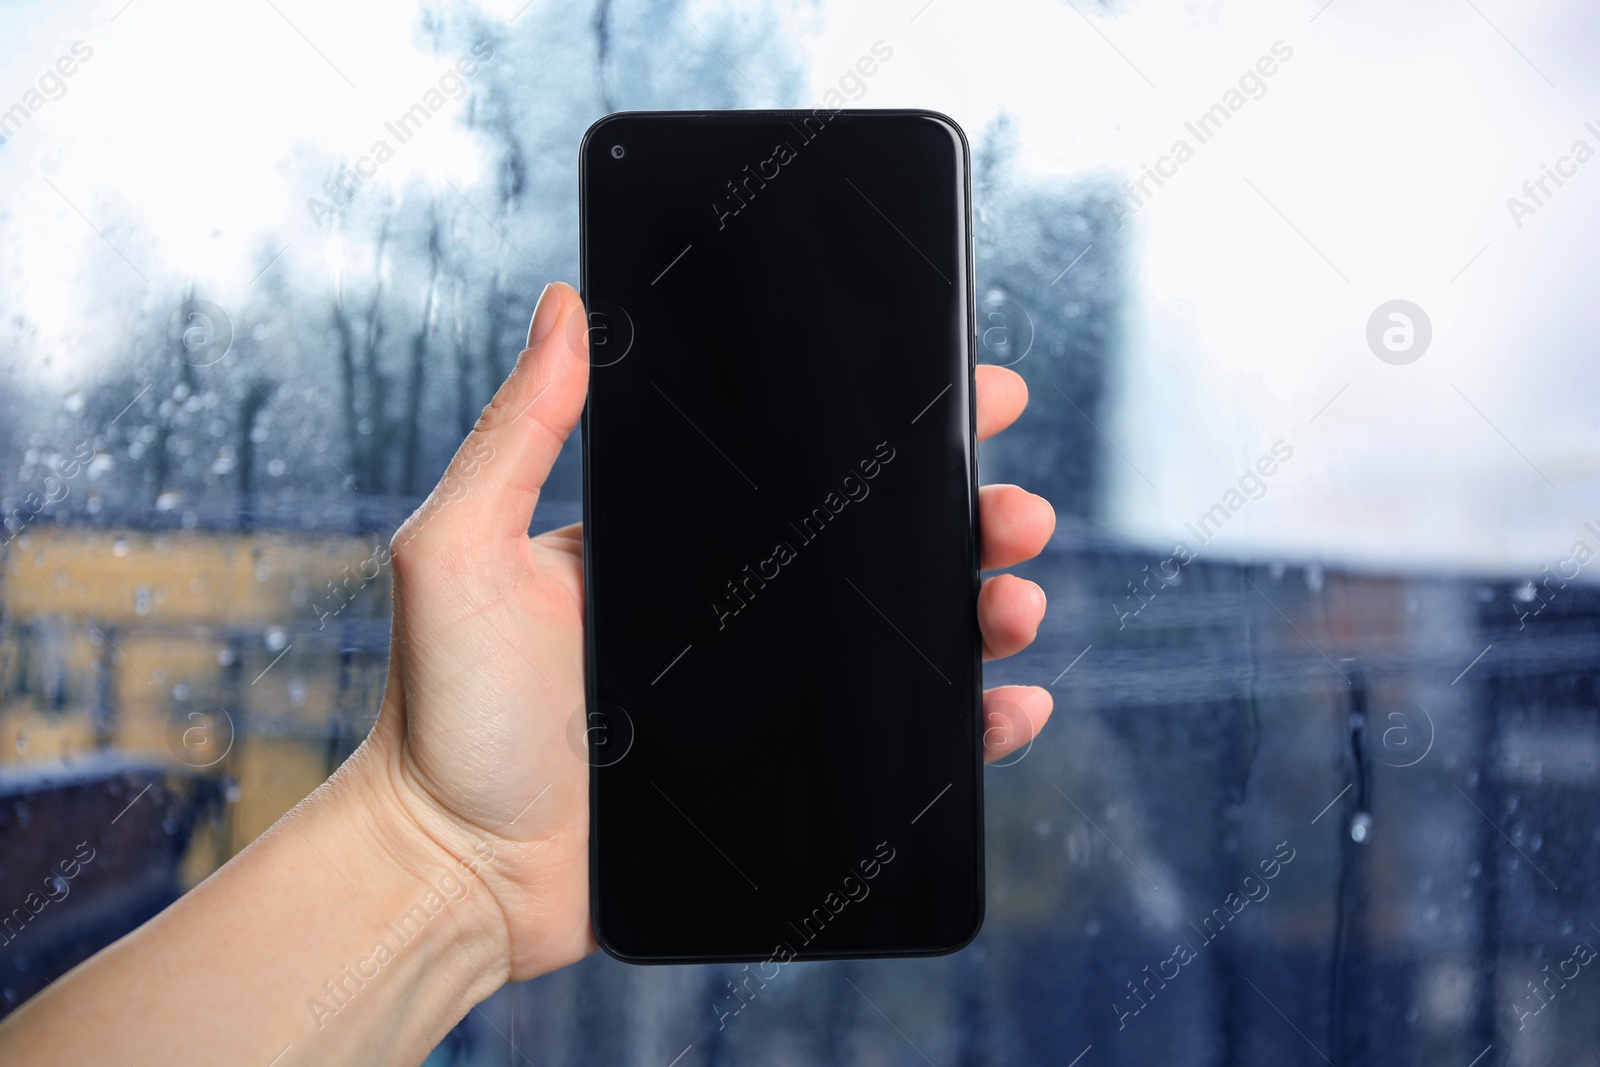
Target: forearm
343, 935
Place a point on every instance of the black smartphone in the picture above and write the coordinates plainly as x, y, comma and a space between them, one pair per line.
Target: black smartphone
784, 668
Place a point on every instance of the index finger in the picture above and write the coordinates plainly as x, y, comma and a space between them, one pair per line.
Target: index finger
1002, 394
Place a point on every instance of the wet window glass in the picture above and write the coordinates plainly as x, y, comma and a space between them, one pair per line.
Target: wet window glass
1301, 295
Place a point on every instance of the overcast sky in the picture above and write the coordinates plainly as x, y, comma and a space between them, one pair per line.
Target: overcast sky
1374, 165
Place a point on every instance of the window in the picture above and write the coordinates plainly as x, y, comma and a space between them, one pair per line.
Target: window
1301, 295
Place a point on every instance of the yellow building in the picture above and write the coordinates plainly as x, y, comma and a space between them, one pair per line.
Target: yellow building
256, 658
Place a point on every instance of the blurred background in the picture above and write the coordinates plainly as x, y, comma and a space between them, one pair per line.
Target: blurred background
1303, 295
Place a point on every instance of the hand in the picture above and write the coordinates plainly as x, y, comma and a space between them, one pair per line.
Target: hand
449, 855
486, 665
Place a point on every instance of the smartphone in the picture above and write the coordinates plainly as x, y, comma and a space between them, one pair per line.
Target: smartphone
783, 661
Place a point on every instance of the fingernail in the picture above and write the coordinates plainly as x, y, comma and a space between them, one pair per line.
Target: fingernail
544, 317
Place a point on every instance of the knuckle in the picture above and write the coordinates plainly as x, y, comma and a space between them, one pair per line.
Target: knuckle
416, 546
490, 416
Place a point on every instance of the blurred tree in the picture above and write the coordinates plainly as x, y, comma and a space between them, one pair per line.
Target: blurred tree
1049, 285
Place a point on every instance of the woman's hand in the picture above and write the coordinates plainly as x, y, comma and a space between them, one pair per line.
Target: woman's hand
450, 853
486, 668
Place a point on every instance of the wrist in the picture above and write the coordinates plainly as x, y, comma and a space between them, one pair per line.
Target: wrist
439, 869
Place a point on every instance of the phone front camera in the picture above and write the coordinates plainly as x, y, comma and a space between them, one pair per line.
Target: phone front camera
616, 151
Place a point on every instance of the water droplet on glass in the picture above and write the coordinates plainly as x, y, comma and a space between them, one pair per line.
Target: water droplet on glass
22, 741
119, 547
1041, 829
276, 639
169, 826
180, 691
1524, 592
231, 792
1360, 827
141, 600
74, 402
225, 657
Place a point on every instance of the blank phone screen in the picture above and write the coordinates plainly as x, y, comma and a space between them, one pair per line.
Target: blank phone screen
784, 664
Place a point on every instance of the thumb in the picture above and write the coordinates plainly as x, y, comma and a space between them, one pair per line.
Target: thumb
489, 490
